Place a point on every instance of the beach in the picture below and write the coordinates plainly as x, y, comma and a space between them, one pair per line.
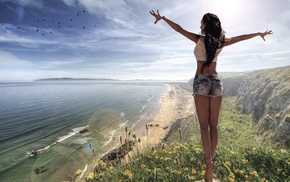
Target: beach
176, 103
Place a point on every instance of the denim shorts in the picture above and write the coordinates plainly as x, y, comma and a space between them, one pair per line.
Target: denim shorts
208, 85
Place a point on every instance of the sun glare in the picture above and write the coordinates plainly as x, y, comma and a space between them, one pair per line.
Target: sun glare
232, 12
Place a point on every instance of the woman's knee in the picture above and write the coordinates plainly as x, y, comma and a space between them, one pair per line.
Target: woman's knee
204, 127
213, 126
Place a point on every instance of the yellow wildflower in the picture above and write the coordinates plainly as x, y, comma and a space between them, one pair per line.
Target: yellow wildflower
242, 171
177, 172
190, 178
148, 171
245, 161
228, 163
248, 177
264, 180
234, 153
166, 159
128, 173
254, 173
91, 176
177, 147
231, 177
78, 172
197, 150
288, 161
101, 163
185, 169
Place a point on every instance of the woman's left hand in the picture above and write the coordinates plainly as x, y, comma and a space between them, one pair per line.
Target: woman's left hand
267, 32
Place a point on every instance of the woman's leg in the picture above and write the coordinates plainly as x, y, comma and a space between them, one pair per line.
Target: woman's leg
202, 110
202, 104
214, 110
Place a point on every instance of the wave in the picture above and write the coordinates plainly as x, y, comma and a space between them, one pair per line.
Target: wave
60, 139
123, 124
70, 134
143, 108
112, 133
151, 98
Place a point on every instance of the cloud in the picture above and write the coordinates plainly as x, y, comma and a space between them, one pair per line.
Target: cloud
9, 61
8, 36
70, 2
32, 3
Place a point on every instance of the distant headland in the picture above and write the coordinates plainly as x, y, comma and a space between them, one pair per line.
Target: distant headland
76, 79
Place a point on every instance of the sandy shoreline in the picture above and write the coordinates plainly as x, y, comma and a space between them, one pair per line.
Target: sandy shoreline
176, 103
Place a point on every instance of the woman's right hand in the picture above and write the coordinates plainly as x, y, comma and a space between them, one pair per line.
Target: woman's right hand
267, 32
157, 16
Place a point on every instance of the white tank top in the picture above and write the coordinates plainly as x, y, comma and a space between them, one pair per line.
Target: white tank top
200, 51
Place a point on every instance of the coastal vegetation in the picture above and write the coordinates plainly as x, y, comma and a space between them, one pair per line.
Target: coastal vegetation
253, 143
241, 155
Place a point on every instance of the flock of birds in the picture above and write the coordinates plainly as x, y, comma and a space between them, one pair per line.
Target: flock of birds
50, 24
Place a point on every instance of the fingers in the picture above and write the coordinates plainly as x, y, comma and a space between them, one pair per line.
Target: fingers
268, 32
153, 13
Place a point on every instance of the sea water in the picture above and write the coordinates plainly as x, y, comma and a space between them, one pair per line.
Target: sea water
51, 115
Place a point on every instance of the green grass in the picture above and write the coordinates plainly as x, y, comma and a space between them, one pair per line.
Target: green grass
240, 155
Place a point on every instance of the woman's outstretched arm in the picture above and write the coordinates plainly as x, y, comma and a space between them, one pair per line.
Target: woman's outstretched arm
192, 36
232, 40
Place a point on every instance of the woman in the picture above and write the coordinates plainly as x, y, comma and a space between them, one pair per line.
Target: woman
207, 87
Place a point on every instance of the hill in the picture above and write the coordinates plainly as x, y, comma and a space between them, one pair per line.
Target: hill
265, 95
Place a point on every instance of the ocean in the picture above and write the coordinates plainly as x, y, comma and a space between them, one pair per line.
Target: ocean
50, 115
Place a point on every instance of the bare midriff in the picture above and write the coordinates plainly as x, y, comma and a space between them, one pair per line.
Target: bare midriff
211, 69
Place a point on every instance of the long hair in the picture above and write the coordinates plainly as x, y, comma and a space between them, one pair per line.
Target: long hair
214, 37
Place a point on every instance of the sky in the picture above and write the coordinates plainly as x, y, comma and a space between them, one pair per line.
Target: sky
118, 39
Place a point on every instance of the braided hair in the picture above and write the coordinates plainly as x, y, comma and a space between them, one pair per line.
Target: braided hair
214, 37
